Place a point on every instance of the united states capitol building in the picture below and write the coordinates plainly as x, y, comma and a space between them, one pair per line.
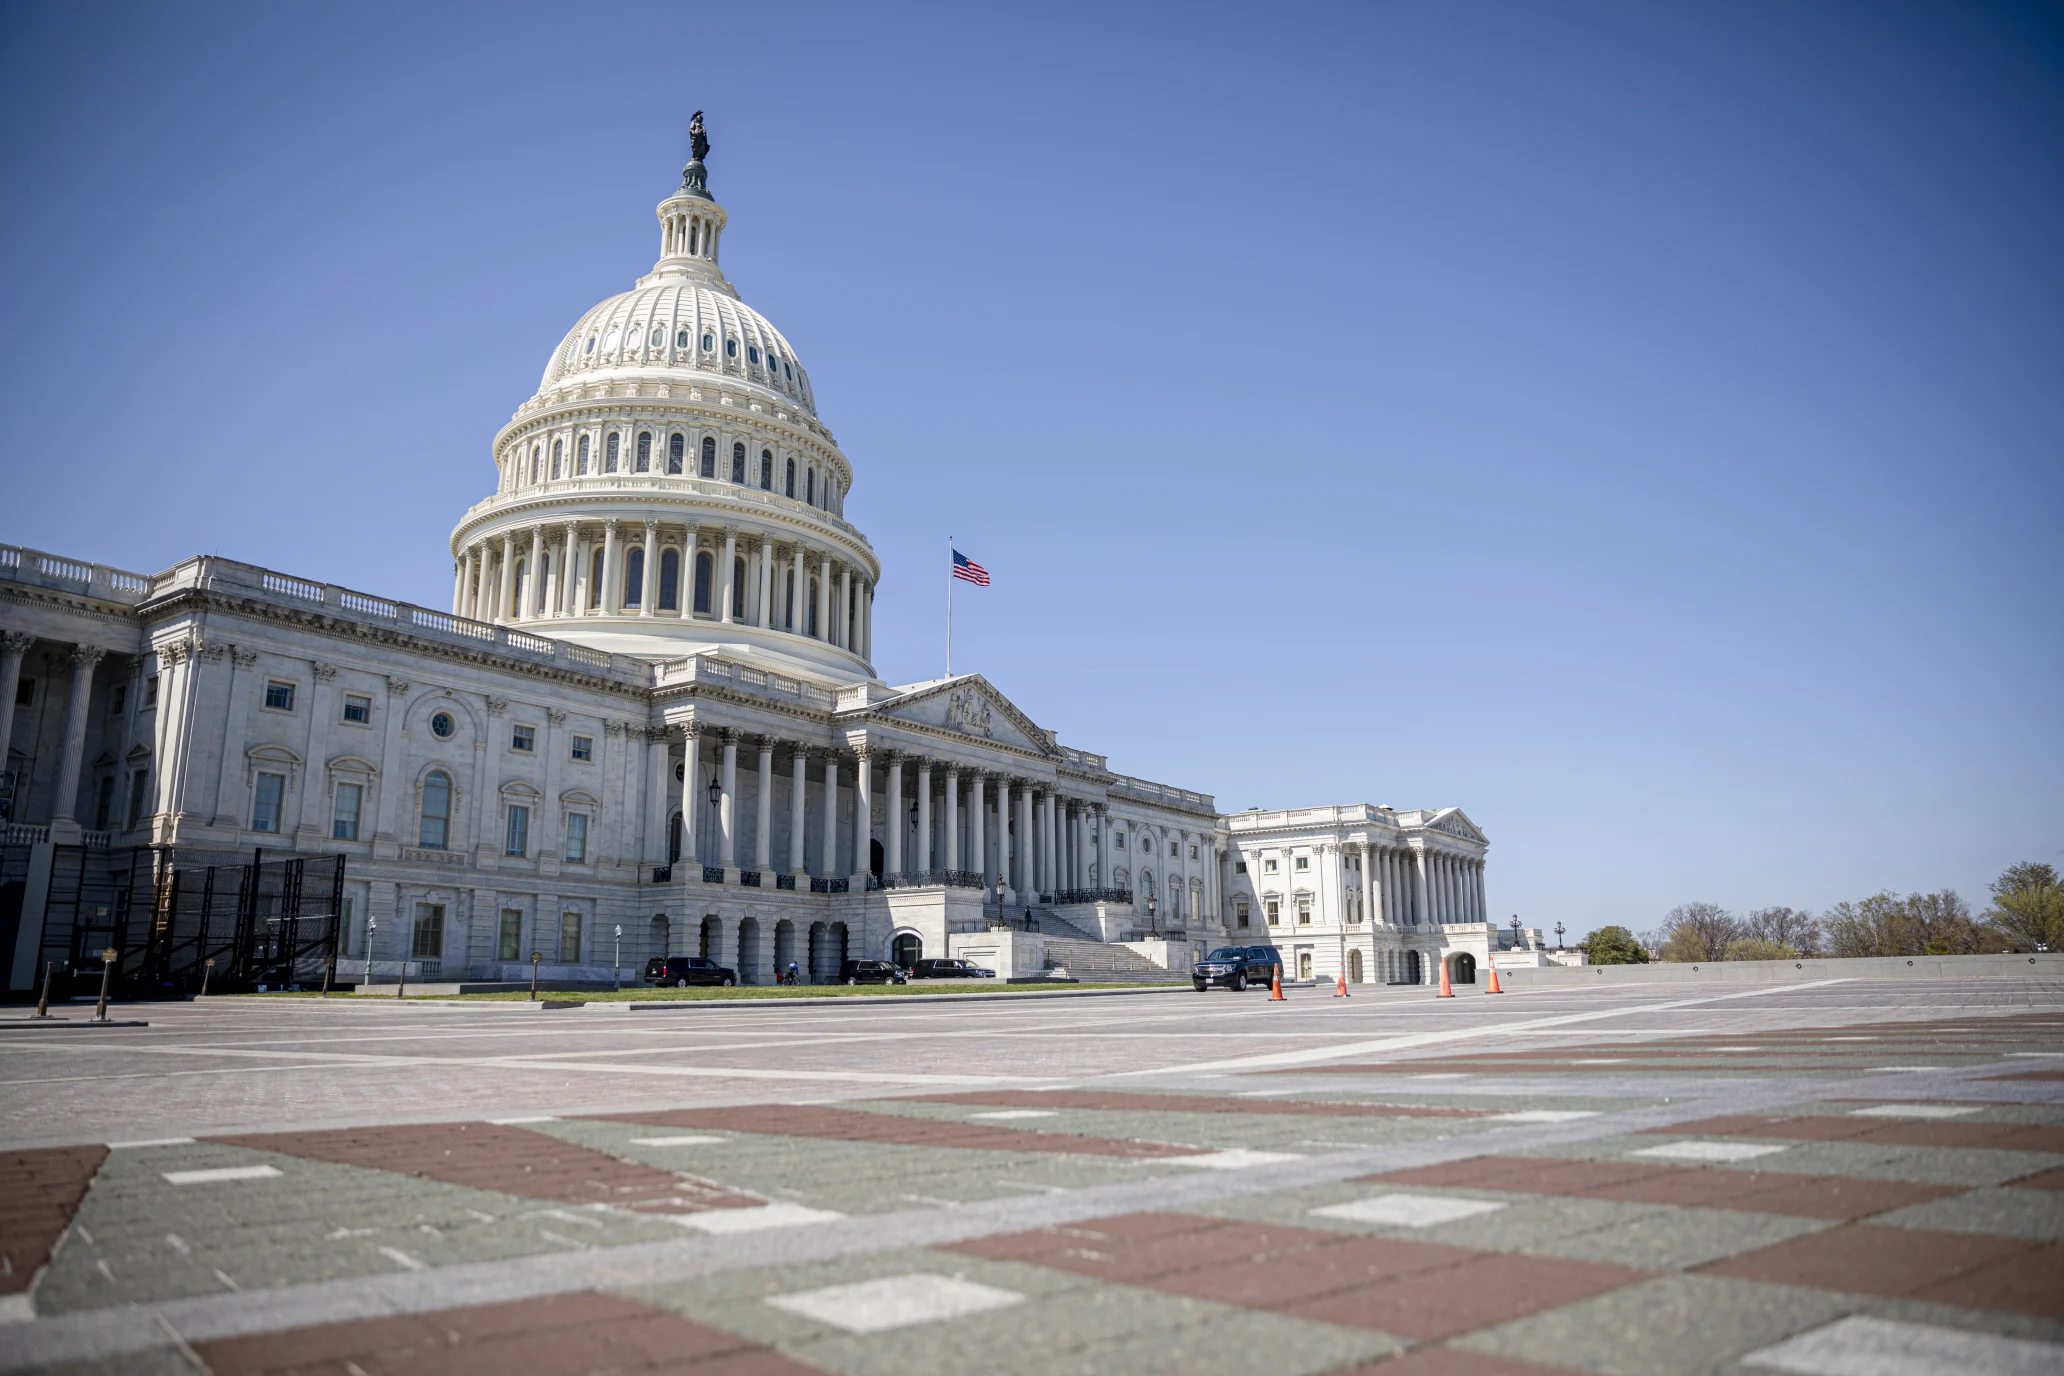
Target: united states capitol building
650, 722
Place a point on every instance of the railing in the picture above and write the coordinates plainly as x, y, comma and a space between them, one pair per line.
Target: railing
1082, 759
784, 881
743, 678
819, 884
712, 874
1066, 896
22, 565
662, 874
97, 840
749, 878
930, 879
24, 834
1149, 791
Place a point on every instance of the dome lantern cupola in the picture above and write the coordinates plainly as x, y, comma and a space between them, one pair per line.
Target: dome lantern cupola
691, 223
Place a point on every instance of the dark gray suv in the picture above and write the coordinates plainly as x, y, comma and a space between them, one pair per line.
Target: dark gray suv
1236, 967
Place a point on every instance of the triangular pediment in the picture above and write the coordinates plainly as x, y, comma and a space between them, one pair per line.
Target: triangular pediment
1454, 823
967, 706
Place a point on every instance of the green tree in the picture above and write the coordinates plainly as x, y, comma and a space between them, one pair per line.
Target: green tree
1757, 948
1613, 946
1696, 932
2028, 908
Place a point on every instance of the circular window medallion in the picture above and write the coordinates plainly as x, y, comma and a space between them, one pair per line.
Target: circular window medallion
441, 724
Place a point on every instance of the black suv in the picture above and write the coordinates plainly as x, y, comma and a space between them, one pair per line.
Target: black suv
682, 971
1236, 967
871, 972
949, 969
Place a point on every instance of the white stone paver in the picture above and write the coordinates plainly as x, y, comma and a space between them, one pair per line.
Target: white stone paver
1544, 1115
1017, 1113
1710, 1151
1913, 1111
875, 1306
219, 1173
688, 1139
775, 1215
1859, 1346
1231, 1159
1408, 1210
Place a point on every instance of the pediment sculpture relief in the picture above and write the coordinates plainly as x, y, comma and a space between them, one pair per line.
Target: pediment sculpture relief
968, 712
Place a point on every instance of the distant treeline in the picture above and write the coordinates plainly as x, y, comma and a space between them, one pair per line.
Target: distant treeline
2026, 914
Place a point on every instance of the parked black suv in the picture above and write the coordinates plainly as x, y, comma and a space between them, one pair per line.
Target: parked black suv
682, 971
1236, 967
871, 972
949, 969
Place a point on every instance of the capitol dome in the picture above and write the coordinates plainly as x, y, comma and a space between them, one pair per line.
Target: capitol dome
669, 490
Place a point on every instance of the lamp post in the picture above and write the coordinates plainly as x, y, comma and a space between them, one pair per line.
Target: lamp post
999, 898
1153, 930
1515, 931
1558, 936
619, 957
709, 840
535, 957
372, 924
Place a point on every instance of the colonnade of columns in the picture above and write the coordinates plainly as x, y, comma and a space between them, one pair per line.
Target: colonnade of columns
785, 586
83, 659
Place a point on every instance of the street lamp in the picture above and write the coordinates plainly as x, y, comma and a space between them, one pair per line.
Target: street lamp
1153, 931
716, 794
1515, 931
1558, 936
999, 897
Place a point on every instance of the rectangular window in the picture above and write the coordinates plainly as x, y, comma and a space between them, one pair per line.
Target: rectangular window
104, 803
510, 947
519, 832
577, 838
584, 747
118, 700
1274, 909
1174, 851
150, 692
1304, 912
139, 795
429, 937
1268, 866
353, 944
1118, 840
357, 708
1240, 915
25, 692
523, 738
1193, 852
1304, 862
344, 820
279, 696
569, 938
1239, 867
265, 810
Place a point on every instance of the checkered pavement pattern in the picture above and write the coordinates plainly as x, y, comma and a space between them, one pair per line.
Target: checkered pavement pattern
1901, 1232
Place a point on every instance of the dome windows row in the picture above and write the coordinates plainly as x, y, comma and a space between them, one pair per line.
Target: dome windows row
773, 360
802, 481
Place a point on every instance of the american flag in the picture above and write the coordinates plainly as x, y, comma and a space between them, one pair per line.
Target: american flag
968, 570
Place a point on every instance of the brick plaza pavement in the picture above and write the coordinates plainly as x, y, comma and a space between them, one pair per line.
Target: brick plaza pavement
1851, 1177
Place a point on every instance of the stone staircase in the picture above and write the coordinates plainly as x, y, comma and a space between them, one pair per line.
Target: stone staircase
1094, 962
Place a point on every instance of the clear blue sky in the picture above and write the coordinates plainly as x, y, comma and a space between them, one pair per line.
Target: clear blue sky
1640, 425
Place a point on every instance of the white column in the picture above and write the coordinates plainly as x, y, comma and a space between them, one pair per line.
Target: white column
829, 866
924, 814
823, 598
1052, 835
532, 578
458, 591
727, 803
798, 786
13, 645
648, 591
691, 787
845, 611
612, 570
867, 622
1483, 903
798, 614
1003, 833
765, 612
73, 758
892, 831
1022, 852
1078, 877
481, 611
729, 571
569, 572
863, 814
952, 815
1103, 845
505, 598
763, 842
661, 772
978, 847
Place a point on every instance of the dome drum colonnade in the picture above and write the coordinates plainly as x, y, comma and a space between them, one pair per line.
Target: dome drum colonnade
619, 517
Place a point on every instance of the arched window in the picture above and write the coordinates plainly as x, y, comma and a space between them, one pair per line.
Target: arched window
709, 456
709, 343
738, 464
788, 602
738, 587
609, 451
634, 578
791, 478
1146, 884
537, 462
702, 582
752, 354
644, 451
810, 487
522, 567
580, 456
731, 348
810, 611
766, 470
558, 455
670, 581
674, 446
595, 579
681, 339
436, 832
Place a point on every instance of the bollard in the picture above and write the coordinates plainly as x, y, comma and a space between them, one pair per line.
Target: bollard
402, 987
535, 957
107, 975
43, 1004
329, 967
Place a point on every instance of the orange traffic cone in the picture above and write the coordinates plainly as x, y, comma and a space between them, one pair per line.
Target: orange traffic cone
1494, 989
1340, 989
1446, 990
1276, 985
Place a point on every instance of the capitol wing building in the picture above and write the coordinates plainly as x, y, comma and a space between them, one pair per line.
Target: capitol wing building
650, 724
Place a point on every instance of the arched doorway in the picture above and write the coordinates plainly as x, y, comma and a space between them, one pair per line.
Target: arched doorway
657, 939
784, 948
907, 949
749, 951
712, 939
1463, 968
874, 858
814, 967
1412, 968
1354, 967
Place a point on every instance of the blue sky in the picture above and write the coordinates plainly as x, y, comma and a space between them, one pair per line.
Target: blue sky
1642, 426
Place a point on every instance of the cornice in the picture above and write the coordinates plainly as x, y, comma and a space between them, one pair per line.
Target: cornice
76, 604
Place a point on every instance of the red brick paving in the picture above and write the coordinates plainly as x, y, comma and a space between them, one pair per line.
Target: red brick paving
1878, 1132
559, 1335
1453, 1361
1190, 1103
40, 1190
1967, 1269
853, 1125
1419, 1290
1835, 1197
489, 1156
2052, 1179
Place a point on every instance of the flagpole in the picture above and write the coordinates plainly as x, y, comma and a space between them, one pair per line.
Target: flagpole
949, 606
